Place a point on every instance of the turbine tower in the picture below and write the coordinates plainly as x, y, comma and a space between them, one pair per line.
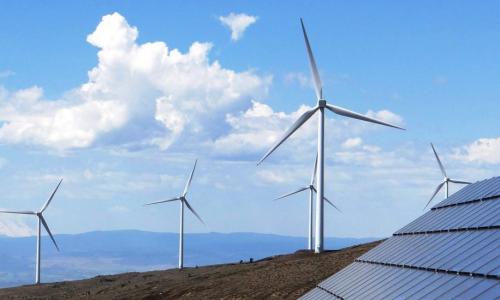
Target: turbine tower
445, 181
312, 190
321, 105
41, 221
183, 201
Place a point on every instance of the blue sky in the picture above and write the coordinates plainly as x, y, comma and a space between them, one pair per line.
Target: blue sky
93, 91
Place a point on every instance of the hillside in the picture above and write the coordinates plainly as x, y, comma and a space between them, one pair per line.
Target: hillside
283, 276
90, 254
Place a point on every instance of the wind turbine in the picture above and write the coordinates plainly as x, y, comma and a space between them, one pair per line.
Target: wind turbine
321, 105
183, 201
41, 221
445, 181
312, 190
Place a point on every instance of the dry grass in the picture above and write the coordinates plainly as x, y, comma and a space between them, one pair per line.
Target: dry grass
280, 277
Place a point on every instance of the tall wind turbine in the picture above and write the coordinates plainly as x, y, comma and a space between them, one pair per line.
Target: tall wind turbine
321, 105
41, 221
183, 201
445, 181
312, 190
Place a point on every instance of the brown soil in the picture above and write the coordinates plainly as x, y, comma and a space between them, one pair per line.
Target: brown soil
283, 276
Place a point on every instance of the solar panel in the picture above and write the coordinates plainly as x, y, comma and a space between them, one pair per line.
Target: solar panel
452, 251
484, 189
473, 215
369, 281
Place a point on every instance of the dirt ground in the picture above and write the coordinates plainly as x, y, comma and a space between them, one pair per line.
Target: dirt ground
279, 277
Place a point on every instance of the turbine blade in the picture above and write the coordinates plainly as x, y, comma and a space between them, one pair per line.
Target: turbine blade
192, 210
312, 64
163, 201
460, 182
439, 161
434, 195
350, 114
188, 183
48, 231
301, 120
293, 193
330, 202
313, 177
21, 212
44, 207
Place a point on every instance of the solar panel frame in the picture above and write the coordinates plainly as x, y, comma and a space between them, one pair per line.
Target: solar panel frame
473, 215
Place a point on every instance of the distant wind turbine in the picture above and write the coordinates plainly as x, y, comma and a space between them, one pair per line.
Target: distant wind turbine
312, 190
41, 221
321, 105
183, 201
445, 181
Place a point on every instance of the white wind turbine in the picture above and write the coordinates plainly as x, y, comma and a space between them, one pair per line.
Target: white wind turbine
41, 221
321, 105
183, 201
312, 190
445, 181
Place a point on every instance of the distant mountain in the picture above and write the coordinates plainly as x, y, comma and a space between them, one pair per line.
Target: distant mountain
108, 252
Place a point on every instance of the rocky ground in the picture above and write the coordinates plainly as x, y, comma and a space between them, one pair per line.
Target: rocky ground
283, 276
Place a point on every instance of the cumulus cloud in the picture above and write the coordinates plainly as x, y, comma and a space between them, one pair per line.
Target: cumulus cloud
352, 143
138, 94
386, 116
11, 227
237, 23
256, 129
484, 150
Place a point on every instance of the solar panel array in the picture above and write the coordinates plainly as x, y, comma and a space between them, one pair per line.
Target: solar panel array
452, 251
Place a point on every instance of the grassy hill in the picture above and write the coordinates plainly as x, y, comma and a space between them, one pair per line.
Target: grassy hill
283, 276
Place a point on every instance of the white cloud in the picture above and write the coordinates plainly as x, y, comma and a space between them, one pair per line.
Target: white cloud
386, 116
138, 95
352, 142
15, 228
237, 23
272, 177
256, 129
484, 150
300, 78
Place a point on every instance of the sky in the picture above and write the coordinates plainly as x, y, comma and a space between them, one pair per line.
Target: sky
120, 97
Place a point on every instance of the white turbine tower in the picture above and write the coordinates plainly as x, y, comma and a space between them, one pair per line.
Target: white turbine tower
312, 190
41, 221
183, 201
321, 105
445, 181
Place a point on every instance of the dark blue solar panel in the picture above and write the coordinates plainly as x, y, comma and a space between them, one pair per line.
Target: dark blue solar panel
471, 252
480, 190
476, 214
452, 251
369, 281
